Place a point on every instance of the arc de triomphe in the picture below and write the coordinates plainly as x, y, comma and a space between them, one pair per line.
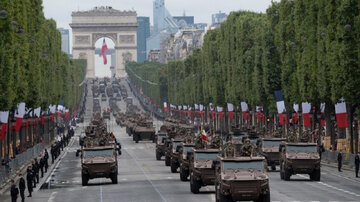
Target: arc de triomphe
90, 26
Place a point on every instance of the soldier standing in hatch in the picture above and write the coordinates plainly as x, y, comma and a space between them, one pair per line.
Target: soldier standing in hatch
216, 141
199, 142
247, 148
229, 150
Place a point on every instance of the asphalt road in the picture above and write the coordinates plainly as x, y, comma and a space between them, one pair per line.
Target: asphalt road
143, 179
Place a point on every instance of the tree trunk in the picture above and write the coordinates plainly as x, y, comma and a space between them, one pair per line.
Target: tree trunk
350, 112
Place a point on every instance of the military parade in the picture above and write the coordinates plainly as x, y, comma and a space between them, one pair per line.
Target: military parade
259, 101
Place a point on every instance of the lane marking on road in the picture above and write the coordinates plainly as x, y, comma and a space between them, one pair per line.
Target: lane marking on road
347, 178
52, 196
333, 187
101, 192
147, 177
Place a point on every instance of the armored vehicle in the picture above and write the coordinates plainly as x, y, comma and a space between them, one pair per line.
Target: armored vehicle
109, 91
174, 155
299, 158
129, 101
106, 114
202, 168
118, 97
241, 179
130, 123
144, 130
99, 162
269, 148
160, 144
103, 97
185, 153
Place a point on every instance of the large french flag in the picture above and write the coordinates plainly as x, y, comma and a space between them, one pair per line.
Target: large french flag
103, 51
245, 110
230, 108
341, 116
19, 115
280, 104
4, 117
306, 108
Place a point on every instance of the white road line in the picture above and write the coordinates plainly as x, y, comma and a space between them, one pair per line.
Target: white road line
101, 192
333, 187
52, 196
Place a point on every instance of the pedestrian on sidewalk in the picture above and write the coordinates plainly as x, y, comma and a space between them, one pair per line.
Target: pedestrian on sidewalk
339, 159
42, 164
29, 179
46, 158
22, 187
357, 162
14, 191
52, 151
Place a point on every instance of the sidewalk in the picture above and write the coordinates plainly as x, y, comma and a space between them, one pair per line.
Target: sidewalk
5, 190
348, 172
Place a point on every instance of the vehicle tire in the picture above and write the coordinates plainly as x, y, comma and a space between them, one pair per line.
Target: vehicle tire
183, 175
136, 136
273, 167
173, 167
264, 198
194, 185
315, 175
167, 160
219, 197
158, 155
114, 178
286, 174
84, 179
153, 138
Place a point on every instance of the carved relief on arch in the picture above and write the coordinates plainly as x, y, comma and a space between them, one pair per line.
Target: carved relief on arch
82, 39
82, 55
97, 36
127, 57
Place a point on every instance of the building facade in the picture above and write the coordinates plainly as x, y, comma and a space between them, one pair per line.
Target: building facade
218, 18
143, 33
65, 40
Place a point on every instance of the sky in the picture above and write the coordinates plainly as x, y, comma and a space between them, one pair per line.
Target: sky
60, 11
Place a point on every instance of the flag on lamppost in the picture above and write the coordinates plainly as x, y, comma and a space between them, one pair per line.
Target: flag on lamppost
4, 117
245, 110
165, 107
230, 108
295, 117
306, 108
341, 116
220, 112
19, 115
280, 104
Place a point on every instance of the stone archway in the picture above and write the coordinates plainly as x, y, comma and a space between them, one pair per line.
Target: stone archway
89, 26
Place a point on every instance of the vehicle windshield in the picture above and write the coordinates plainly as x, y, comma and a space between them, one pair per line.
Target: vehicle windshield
269, 143
254, 140
302, 148
187, 149
176, 144
244, 165
206, 156
93, 153
238, 137
160, 138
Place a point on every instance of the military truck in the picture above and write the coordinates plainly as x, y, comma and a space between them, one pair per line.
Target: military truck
143, 130
269, 148
299, 158
185, 153
241, 179
160, 144
130, 123
99, 162
202, 168
174, 155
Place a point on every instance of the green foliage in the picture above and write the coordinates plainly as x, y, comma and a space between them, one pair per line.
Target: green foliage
33, 68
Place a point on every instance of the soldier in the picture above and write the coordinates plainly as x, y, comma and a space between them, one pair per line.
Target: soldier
189, 137
41, 165
216, 141
29, 179
22, 187
229, 150
305, 136
247, 148
46, 158
199, 142
291, 136
14, 191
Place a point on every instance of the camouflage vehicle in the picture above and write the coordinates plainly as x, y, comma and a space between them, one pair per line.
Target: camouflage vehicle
185, 153
241, 179
99, 162
202, 168
144, 130
118, 97
174, 155
167, 147
269, 148
103, 97
109, 91
299, 158
160, 143
128, 100
130, 123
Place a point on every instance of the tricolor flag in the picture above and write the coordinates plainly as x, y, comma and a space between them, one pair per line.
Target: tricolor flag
280, 104
341, 116
220, 112
196, 106
52, 109
260, 114
306, 108
212, 112
67, 113
37, 113
201, 108
19, 115
322, 109
245, 110
165, 107
103, 51
204, 136
4, 117
230, 108
295, 117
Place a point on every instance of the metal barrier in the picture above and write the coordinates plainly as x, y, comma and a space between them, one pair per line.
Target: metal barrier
19, 161
348, 158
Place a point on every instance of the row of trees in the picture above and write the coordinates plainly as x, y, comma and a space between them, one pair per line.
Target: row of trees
308, 49
33, 69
